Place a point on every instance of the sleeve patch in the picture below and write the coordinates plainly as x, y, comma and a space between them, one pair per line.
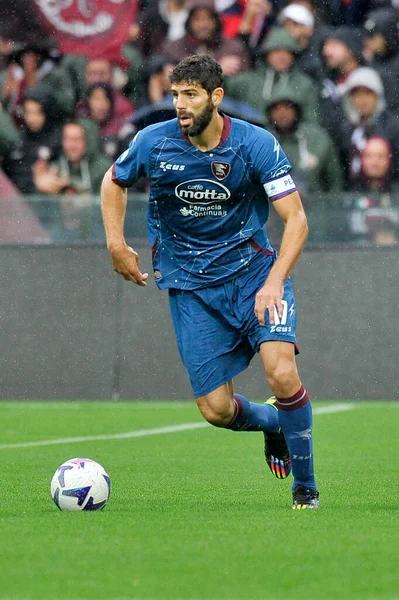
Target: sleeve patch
279, 187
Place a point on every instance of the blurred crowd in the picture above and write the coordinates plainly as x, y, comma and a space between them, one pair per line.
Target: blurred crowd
321, 75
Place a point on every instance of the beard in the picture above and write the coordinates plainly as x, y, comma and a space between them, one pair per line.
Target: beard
200, 122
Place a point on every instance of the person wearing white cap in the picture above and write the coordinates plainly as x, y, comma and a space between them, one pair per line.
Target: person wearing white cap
299, 21
297, 14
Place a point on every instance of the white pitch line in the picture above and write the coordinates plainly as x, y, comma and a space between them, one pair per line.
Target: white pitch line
112, 436
334, 408
156, 431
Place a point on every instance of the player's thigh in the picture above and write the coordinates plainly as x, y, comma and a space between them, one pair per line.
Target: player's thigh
217, 406
212, 349
278, 360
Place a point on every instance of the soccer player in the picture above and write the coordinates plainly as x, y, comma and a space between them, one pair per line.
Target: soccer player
212, 181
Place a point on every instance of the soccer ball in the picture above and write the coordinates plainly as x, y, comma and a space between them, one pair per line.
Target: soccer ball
80, 484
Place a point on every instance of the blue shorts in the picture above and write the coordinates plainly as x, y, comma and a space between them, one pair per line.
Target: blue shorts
217, 331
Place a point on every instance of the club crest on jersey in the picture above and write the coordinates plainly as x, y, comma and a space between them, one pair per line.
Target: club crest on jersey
220, 170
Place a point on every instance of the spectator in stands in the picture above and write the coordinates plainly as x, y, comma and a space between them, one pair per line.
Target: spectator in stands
40, 139
204, 35
70, 182
80, 167
375, 218
341, 54
299, 21
381, 49
276, 71
364, 115
309, 148
100, 70
37, 66
161, 20
99, 106
375, 174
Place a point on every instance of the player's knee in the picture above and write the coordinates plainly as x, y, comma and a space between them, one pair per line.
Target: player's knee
219, 417
282, 376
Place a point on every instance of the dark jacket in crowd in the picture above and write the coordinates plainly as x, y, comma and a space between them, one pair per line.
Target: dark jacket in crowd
309, 148
382, 22
34, 145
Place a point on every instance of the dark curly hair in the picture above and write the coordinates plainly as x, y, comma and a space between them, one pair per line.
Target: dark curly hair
198, 69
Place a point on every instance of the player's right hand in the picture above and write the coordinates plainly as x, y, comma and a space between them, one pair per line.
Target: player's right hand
126, 262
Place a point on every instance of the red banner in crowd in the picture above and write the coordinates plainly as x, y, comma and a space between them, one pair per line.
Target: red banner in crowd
91, 28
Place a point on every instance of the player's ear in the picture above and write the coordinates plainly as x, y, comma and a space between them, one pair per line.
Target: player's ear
217, 96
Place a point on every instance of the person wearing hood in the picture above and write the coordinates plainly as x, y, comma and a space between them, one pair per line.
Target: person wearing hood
204, 36
364, 115
308, 146
39, 139
381, 49
276, 71
341, 54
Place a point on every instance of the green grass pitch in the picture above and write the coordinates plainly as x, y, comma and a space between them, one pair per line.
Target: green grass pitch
195, 514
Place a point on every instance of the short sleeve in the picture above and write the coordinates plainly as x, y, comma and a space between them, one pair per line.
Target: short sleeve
132, 163
271, 165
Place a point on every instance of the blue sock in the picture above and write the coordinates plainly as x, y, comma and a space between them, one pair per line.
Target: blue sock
295, 416
250, 416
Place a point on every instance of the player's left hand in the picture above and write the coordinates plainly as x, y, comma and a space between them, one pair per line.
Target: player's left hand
268, 298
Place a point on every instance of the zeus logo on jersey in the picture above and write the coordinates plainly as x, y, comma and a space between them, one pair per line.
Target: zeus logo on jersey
202, 191
171, 167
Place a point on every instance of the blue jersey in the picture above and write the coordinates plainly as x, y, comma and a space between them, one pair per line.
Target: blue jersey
207, 210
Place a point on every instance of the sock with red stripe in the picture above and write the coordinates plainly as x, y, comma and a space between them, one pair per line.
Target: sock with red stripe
295, 417
250, 416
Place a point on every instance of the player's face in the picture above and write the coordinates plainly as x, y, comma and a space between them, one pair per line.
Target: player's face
194, 107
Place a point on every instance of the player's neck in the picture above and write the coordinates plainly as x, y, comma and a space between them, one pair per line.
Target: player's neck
211, 136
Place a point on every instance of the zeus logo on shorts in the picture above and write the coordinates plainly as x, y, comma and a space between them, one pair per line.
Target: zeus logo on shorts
280, 324
202, 191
